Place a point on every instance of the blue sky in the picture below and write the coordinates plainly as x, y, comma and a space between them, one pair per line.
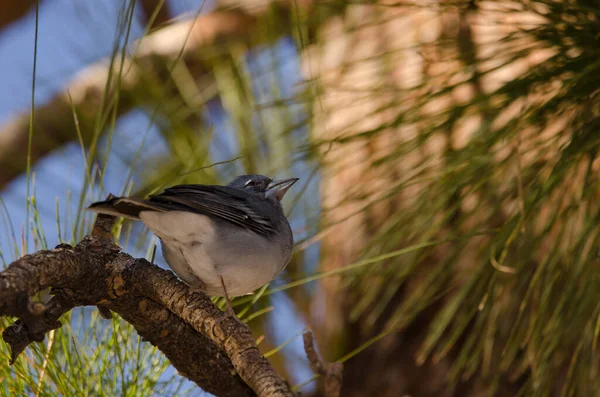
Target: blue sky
75, 33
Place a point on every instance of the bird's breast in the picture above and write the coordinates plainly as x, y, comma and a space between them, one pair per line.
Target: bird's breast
195, 245
247, 261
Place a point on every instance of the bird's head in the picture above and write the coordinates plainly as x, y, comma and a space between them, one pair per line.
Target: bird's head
263, 185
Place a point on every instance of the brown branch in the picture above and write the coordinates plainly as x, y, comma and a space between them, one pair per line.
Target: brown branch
11, 11
30, 329
203, 343
226, 332
163, 14
331, 372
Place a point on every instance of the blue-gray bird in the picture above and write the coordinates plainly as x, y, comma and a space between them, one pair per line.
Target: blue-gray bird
225, 240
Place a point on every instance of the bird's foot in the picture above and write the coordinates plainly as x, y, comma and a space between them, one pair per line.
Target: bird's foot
231, 313
229, 308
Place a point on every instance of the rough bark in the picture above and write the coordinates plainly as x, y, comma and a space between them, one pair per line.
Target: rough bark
372, 66
207, 346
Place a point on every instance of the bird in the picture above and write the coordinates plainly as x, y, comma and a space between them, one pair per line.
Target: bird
224, 240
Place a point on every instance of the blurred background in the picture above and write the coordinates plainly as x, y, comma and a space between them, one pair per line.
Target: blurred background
446, 220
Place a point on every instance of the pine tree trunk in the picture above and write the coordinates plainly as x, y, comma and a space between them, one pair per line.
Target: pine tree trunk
373, 63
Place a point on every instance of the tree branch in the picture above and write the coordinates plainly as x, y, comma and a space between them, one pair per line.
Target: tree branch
33, 328
11, 11
331, 372
163, 14
203, 343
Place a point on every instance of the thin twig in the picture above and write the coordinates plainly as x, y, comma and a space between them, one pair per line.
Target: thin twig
332, 373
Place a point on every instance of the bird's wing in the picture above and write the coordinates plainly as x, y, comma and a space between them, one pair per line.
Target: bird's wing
224, 202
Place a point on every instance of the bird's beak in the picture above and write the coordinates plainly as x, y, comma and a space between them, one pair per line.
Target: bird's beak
278, 188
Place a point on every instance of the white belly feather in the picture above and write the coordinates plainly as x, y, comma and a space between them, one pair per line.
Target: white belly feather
193, 248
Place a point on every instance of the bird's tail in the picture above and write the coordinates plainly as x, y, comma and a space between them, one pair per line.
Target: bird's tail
127, 207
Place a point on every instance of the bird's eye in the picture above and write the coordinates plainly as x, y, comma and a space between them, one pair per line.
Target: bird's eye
251, 182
